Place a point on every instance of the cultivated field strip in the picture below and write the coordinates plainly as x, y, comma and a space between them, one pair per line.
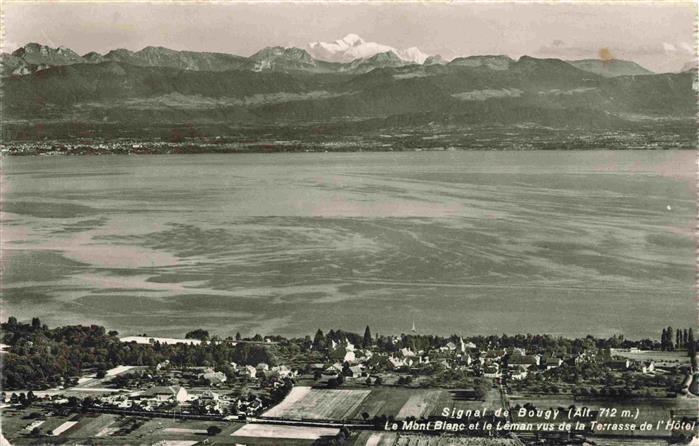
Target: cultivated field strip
397, 439
288, 432
420, 404
427, 440
307, 403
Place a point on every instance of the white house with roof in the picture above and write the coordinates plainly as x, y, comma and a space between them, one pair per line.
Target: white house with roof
648, 367
450, 346
356, 371
249, 371
395, 362
466, 358
407, 352
213, 377
283, 371
349, 356
526, 361
552, 363
166, 393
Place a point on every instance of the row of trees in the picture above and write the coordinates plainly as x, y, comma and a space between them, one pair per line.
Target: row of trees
40, 357
677, 339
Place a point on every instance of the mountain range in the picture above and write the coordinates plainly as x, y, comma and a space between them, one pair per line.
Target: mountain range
349, 81
349, 54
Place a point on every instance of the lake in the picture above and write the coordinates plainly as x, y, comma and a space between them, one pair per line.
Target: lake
567, 243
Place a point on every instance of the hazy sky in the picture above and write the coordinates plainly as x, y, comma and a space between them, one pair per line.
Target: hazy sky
659, 36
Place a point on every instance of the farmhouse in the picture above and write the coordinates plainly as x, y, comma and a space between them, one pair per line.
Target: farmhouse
213, 378
248, 371
356, 371
395, 363
349, 356
407, 353
619, 364
282, 371
334, 369
648, 367
526, 361
493, 354
552, 363
166, 393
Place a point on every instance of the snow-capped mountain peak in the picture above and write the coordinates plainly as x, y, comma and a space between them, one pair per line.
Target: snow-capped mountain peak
352, 47
413, 54
352, 40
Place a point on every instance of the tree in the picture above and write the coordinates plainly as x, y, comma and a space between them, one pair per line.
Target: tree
367, 337
197, 334
663, 340
670, 336
481, 387
692, 349
213, 430
23, 401
36, 323
318, 340
238, 337
691, 345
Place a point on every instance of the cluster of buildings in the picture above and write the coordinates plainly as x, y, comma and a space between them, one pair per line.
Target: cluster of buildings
178, 398
459, 356
212, 400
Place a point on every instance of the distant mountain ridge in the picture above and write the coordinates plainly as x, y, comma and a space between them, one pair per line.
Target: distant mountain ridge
137, 91
350, 53
610, 68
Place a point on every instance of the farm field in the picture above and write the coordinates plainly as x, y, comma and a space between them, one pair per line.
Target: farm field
385, 401
307, 403
420, 404
59, 427
285, 432
176, 443
119, 430
396, 439
448, 399
376, 439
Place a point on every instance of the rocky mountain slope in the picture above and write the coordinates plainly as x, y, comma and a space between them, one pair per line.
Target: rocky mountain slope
287, 86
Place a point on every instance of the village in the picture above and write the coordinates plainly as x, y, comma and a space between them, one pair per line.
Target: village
187, 139
342, 388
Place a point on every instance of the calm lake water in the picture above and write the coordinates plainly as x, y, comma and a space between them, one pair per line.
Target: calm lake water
566, 243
